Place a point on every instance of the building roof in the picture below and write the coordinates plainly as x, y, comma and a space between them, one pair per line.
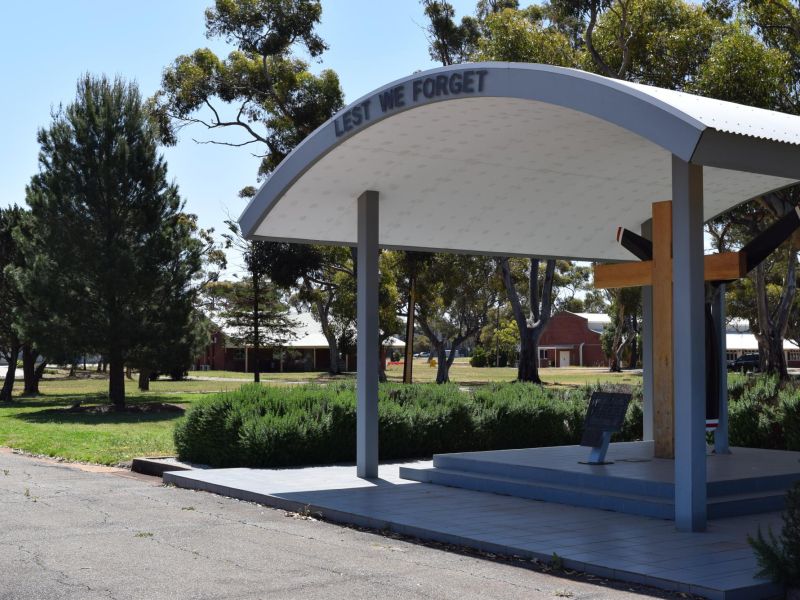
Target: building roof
738, 336
597, 321
749, 343
307, 334
471, 157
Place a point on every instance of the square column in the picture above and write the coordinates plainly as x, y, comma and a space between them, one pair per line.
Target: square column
718, 312
689, 345
647, 349
368, 337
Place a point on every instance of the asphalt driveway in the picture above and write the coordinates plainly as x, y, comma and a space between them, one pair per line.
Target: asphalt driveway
69, 531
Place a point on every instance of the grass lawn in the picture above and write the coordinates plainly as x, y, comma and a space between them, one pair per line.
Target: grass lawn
462, 373
39, 425
33, 425
305, 377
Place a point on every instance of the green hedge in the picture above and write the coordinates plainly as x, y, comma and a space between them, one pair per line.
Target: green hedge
265, 426
763, 413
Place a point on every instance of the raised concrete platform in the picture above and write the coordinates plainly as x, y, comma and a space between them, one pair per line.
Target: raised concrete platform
717, 564
158, 465
747, 481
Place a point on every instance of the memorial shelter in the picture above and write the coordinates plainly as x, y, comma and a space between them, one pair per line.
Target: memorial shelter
531, 160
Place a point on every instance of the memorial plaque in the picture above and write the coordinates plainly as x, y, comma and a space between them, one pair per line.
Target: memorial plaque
606, 415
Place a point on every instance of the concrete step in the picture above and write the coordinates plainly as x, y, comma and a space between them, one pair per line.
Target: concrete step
604, 479
719, 507
601, 481
736, 505
752, 485
574, 495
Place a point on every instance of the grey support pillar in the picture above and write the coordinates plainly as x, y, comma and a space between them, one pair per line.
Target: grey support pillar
718, 312
689, 345
368, 337
647, 349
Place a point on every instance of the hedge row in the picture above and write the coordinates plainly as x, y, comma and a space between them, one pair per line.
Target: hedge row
264, 426
763, 413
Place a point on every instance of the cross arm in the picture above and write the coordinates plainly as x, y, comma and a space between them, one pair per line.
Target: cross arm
725, 266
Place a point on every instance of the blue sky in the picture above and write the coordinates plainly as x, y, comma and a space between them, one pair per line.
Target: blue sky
48, 44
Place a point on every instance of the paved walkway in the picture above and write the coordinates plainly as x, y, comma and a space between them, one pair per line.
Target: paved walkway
102, 533
717, 563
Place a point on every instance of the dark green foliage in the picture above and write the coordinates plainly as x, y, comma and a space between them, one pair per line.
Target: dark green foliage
11, 297
260, 89
515, 415
291, 426
260, 426
779, 556
111, 256
479, 357
764, 413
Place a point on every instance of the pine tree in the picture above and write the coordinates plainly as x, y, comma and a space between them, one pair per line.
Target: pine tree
112, 253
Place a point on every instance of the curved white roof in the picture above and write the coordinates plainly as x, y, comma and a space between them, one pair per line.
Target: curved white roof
523, 159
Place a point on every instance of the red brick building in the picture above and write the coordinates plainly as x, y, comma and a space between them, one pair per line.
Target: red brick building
573, 339
306, 350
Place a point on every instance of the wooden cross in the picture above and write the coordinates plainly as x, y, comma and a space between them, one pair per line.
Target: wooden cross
657, 273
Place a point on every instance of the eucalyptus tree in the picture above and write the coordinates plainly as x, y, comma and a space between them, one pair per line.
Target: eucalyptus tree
317, 275
501, 32
261, 95
759, 70
455, 294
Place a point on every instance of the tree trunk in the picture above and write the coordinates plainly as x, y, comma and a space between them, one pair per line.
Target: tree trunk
256, 333
72, 369
634, 352
382, 363
773, 325
528, 368
334, 368
144, 380
442, 367
116, 380
616, 344
408, 359
11, 374
38, 372
29, 356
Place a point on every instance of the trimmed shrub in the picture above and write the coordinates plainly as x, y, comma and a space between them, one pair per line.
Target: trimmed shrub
779, 555
479, 357
764, 413
264, 426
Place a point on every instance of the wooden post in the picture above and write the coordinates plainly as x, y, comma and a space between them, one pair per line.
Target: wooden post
663, 397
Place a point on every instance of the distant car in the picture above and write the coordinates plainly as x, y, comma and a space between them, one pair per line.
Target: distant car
424, 354
745, 363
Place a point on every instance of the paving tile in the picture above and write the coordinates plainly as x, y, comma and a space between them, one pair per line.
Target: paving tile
624, 546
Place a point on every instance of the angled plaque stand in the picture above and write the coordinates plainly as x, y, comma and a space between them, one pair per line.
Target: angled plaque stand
605, 416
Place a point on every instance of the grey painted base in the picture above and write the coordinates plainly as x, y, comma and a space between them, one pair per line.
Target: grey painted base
716, 564
747, 481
